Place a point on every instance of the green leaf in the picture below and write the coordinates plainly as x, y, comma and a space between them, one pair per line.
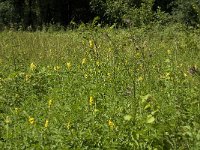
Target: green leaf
127, 117
150, 119
145, 98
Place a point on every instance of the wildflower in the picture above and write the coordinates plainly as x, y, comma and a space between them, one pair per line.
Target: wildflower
69, 65
86, 76
83, 61
50, 103
32, 66
91, 100
111, 124
46, 123
7, 120
185, 74
91, 43
31, 120
27, 77
68, 125
56, 68
167, 74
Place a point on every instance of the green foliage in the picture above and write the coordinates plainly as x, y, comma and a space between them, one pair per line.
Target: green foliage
110, 11
100, 89
142, 15
6, 12
33, 15
187, 12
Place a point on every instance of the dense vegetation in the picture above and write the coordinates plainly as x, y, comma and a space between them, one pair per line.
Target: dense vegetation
100, 74
37, 13
100, 89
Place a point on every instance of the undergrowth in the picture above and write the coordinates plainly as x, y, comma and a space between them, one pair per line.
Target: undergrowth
100, 89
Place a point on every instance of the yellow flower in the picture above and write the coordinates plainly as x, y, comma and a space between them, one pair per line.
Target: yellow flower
69, 65
46, 123
7, 120
91, 100
167, 74
27, 77
50, 103
32, 66
68, 125
111, 124
31, 120
56, 68
83, 61
185, 75
91, 43
86, 76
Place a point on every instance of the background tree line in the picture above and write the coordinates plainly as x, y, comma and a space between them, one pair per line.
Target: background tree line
36, 13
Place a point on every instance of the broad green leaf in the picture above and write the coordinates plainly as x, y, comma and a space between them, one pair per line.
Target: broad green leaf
127, 117
150, 119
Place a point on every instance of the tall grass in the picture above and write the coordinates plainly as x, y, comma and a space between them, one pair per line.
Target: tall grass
100, 89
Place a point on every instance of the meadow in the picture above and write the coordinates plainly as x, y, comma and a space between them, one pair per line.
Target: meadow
100, 88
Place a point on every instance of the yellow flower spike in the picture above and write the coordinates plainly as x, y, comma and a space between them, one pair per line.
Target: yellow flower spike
50, 103
7, 120
111, 124
86, 76
32, 66
46, 123
68, 65
91, 100
91, 43
68, 125
27, 77
31, 120
56, 68
83, 61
